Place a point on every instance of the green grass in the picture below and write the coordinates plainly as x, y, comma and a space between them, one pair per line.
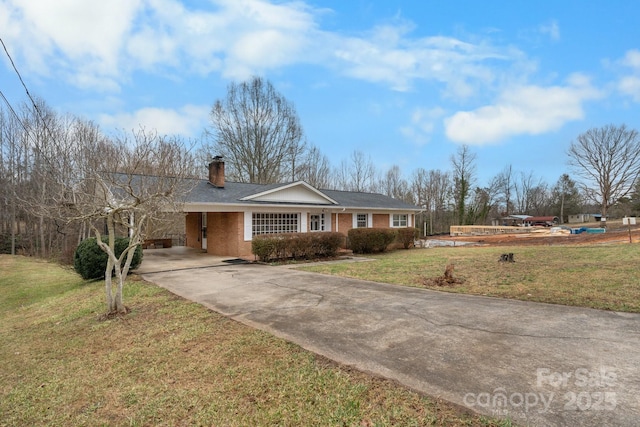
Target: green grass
599, 276
172, 362
27, 280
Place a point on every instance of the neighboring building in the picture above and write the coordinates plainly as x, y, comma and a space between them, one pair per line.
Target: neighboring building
544, 221
580, 218
527, 221
511, 221
222, 217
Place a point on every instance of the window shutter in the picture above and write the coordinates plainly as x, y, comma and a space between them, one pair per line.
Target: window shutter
248, 226
303, 222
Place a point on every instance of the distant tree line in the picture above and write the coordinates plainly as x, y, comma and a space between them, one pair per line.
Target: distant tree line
259, 134
62, 180
48, 159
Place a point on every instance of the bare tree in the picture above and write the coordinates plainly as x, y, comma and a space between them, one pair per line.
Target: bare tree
117, 187
607, 160
540, 199
503, 184
394, 185
8, 181
357, 175
480, 205
464, 169
315, 169
523, 188
258, 132
432, 190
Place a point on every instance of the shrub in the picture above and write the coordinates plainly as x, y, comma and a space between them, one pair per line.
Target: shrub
370, 240
327, 244
406, 236
264, 247
300, 246
296, 245
90, 261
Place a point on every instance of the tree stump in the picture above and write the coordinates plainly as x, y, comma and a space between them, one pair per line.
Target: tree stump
507, 257
446, 279
448, 274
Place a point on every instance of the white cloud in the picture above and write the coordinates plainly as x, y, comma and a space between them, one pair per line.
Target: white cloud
74, 36
632, 59
551, 29
187, 121
98, 45
237, 38
629, 85
522, 110
423, 122
388, 55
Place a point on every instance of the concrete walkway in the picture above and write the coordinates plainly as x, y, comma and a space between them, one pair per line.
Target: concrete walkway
539, 364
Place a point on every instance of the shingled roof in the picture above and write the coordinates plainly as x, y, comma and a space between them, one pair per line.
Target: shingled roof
236, 193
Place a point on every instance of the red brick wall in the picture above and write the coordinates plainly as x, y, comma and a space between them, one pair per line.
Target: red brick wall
380, 220
192, 230
226, 235
345, 223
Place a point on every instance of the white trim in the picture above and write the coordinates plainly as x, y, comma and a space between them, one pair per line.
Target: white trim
399, 226
248, 226
243, 207
204, 232
275, 222
302, 225
324, 221
354, 219
291, 185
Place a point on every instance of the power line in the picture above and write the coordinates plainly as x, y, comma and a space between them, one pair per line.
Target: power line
33, 103
15, 115
19, 76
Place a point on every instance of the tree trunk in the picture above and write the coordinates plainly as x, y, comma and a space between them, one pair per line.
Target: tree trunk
108, 287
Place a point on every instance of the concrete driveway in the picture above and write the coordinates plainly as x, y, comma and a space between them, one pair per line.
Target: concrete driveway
539, 364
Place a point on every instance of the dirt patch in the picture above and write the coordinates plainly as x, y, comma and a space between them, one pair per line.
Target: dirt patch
613, 235
446, 279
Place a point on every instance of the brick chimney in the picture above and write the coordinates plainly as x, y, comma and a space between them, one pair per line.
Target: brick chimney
216, 172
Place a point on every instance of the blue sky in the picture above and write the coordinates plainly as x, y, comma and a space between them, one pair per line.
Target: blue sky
406, 82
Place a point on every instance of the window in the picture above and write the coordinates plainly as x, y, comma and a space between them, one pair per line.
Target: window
274, 223
316, 222
361, 221
399, 220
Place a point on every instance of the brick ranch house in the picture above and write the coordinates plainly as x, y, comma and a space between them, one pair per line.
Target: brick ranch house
222, 217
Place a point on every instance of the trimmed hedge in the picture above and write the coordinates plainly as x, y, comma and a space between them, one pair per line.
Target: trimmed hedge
370, 240
269, 247
407, 236
90, 261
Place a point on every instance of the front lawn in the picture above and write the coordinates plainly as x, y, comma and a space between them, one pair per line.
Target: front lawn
174, 363
598, 276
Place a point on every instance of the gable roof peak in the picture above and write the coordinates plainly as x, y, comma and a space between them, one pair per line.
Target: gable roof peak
281, 189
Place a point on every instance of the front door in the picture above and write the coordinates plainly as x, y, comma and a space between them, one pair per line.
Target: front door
204, 230
316, 222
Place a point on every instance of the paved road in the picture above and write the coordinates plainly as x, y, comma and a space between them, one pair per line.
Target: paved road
539, 364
